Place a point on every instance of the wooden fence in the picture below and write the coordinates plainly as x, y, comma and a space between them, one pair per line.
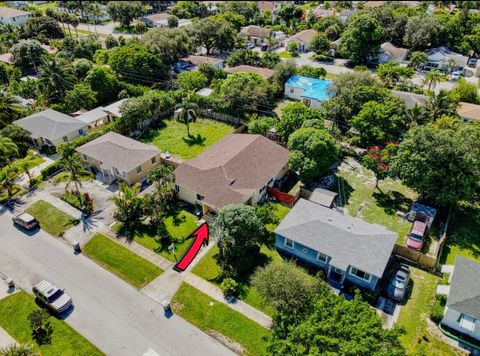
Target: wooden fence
229, 119
281, 196
415, 256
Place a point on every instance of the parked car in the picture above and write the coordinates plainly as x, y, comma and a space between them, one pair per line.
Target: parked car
250, 45
398, 287
25, 220
52, 296
455, 75
472, 62
416, 236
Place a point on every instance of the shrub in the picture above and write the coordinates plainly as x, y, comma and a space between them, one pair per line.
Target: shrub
229, 287
82, 202
322, 58
41, 328
438, 308
51, 170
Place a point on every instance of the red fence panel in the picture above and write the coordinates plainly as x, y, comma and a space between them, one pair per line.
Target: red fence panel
281, 196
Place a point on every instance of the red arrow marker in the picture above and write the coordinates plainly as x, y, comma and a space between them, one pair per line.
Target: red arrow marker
200, 238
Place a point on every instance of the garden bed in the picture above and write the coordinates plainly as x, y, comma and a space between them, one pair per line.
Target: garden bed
79, 201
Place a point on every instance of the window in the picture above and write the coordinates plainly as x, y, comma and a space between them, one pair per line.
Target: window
289, 243
467, 322
80, 132
154, 160
177, 188
199, 197
360, 274
139, 169
305, 250
292, 90
65, 138
321, 257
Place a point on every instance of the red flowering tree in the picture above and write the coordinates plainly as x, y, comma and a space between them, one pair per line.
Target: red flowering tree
378, 159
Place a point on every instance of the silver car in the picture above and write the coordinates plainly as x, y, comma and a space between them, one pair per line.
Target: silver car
25, 220
52, 296
398, 287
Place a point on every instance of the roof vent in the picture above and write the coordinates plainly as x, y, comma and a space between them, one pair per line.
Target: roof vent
232, 181
329, 219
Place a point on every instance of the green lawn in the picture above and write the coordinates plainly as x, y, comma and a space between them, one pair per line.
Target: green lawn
121, 261
366, 202
285, 54
331, 76
32, 160
50, 218
417, 340
14, 318
214, 317
172, 136
208, 269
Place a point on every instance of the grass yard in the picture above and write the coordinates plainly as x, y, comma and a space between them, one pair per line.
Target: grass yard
50, 218
366, 202
214, 317
32, 160
121, 261
286, 54
417, 340
208, 269
172, 136
14, 318
331, 76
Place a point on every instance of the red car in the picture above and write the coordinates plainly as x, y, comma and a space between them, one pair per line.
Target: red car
416, 237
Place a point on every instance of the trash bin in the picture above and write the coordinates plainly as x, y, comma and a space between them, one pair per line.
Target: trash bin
166, 305
10, 283
76, 246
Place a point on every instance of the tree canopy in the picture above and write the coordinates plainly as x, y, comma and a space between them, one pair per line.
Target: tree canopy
361, 39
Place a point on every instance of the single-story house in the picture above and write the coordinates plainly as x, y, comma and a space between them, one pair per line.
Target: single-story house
411, 99
303, 39
462, 311
52, 128
445, 60
14, 17
265, 73
113, 109
256, 34
195, 61
95, 117
235, 170
116, 157
311, 91
390, 52
468, 112
344, 15
157, 20
347, 248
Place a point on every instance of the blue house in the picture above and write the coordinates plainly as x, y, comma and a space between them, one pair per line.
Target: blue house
347, 248
311, 91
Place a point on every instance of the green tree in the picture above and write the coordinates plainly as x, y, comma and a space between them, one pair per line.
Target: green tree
102, 81
248, 9
377, 123
292, 48
392, 20
19, 136
361, 40
320, 43
240, 232
134, 112
313, 72
439, 105
139, 27
81, 66
8, 108
169, 44
422, 156
7, 180
261, 125
27, 53
41, 27
422, 32
192, 81
282, 71
212, 34
270, 59
187, 112
111, 42
129, 206
244, 56
237, 21
292, 117
162, 177
465, 91
135, 64
417, 59
312, 152
41, 328
172, 21
73, 165
432, 78
124, 12
80, 97
55, 78
189, 9
8, 150
391, 73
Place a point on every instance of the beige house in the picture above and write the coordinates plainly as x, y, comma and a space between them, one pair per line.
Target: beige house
302, 39
261, 36
236, 170
468, 112
52, 128
116, 157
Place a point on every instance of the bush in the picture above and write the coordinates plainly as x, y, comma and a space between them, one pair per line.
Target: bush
438, 308
229, 287
322, 58
82, 202
41, 328
51, 170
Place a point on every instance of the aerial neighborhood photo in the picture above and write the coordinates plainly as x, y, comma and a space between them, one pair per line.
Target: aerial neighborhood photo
210, 178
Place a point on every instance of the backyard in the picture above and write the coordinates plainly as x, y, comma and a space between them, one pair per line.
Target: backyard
50, 218
208, 269
14, 318
171, 136
121, 261
240, 333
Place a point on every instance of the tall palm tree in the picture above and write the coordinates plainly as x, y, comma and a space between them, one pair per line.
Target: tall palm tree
187, 112
8, 150
74, 21
8, 108
432, 78
55, 78
129, 205
25, 168
440, 104
94, 11
73, 166
162, 177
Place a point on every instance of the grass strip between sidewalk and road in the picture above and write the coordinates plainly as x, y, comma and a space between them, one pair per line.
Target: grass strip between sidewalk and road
14, 318
119, 260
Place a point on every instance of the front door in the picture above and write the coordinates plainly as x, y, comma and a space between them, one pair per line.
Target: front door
336, 274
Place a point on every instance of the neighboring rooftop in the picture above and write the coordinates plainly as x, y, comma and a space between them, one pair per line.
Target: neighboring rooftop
323, 197
114, 108
116, 151
411, 99
197, 60
393, 50
264, 72
8, 12
162, 16
442, 53
469, 111
348, 241
234, 167
50, 124
266, 5
313, 88
305, 36
93, 115
464, 295
256, 31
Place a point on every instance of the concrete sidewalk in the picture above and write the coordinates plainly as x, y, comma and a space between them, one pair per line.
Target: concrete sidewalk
5, 338
23, 179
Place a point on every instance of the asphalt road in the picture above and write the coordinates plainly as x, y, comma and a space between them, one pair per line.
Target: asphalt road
113, 315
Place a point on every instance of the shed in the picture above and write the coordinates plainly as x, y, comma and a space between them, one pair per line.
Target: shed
323, 197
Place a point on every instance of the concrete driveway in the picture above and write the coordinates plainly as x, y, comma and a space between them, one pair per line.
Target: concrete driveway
116, 317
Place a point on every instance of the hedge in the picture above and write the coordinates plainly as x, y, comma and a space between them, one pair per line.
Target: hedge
50, 170
79, 141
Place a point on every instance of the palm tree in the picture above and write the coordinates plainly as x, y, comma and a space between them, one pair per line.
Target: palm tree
187, 112
19, 350
94, 10
55, 78
73, 166
162, 177
8, 108
129, 205
440, 104
25, 167
432, 78
74, 21
7, 180
8, 150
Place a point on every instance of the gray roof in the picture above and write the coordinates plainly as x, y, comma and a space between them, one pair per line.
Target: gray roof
348, 241
411, 99
116, 151
323, 197
114, 108
92, 115
50, 124
464, 295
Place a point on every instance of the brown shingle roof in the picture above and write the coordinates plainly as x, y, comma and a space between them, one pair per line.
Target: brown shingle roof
469, 111
115, 150
394, 51
8, 12
305, 36
197, 60
256, 31
264, 72
158, 17
233, 168
266, 5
